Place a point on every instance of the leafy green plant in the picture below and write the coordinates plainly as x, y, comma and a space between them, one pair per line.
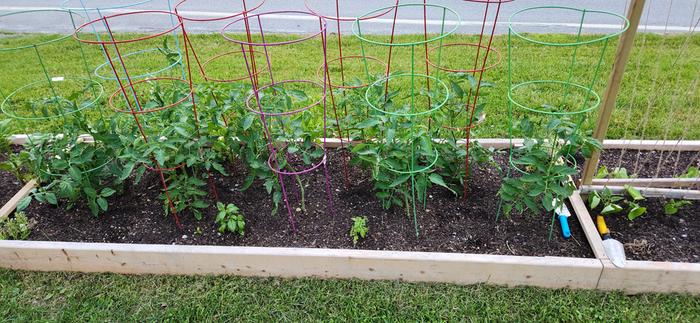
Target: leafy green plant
72, 168
673, 206
16, 164
359, 229
617, 173
171, 55
186, 150
229, 218
15, 228
612, 204
545, 162
403, 146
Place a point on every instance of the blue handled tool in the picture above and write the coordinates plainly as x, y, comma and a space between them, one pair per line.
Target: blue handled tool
563, 214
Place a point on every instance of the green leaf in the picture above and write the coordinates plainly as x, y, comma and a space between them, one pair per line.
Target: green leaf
634, 193
90, 192
75, 173
24, 203
51, 198
692, 172
548, 201
93, 207
102, 203
472, 81
669, 209
456, 89
635, 212
126, 171
593, 201
248, 121
199, 204
400, 180
435, 178
160, 157
611, 209
107, 192
368, 123
602, 172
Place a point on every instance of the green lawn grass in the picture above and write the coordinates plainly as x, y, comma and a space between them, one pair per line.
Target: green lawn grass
72, 297
658, 97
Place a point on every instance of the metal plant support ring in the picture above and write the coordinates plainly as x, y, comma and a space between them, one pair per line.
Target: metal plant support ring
325, 69
90, 8
177, 102
55, 84
8, 110
256, 93
320, 72
66, 4
127, 84
558, 90
274, 165
268, 118
231, 80
472, 70
380, 88
433, 108
105, 65
246, 9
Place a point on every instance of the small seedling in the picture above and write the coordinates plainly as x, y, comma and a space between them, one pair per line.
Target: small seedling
691, 172
614, 204
359, 229
230, 218
16, 228
673, 206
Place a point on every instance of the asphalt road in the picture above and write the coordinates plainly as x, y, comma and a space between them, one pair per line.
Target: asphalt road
660, 16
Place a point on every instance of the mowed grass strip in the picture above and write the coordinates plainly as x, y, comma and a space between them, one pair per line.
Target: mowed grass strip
107, 297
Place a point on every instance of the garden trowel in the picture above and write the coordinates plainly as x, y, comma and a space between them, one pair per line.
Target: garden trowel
563, 215
613, 248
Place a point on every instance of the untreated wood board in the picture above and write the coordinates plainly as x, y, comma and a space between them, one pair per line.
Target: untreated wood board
11, 205
589, 229
646, 191
552, 272
649, 182
504, 143
651, 277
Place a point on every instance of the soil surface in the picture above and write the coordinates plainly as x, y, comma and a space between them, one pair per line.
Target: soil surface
655, 236
658, 237
650, 163
448, 224
9, 184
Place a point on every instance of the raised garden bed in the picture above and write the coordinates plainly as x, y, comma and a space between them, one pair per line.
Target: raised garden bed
659, 237
448, 225
146, 241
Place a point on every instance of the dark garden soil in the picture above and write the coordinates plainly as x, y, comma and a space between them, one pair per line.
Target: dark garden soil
655, 236
9, 184
658, 237
449, 224
645, 164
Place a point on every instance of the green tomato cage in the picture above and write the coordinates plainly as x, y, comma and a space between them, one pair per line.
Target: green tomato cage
406, 116
550, 100
46, 89
566, 88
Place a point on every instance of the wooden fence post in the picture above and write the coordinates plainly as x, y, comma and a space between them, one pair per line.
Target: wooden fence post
624, 48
